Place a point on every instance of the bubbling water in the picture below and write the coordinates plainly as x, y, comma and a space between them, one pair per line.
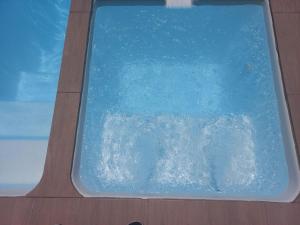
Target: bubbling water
179, 3
177, 151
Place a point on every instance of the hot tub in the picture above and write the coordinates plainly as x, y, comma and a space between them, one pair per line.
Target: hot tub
184, 103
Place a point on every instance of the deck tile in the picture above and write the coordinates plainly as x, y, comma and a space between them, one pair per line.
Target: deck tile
285, 5
73, 63
22, 211
6, 207
56, 180
294, 105
81, 5
288, 36
237, 212
198, 212
283, 214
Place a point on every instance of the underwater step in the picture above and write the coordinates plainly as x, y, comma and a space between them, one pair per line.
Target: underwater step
179, 3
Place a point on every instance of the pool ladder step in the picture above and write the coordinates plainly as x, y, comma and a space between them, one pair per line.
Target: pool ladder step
179, 3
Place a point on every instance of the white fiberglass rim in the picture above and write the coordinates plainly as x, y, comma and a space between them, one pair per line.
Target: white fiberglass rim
293, 189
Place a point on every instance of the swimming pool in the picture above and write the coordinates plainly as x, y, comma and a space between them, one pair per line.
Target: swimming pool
184, 103
31, 41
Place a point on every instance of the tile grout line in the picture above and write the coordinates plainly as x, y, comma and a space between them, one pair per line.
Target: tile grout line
293, 94
69, 92
80, 11
282, 12
266, 213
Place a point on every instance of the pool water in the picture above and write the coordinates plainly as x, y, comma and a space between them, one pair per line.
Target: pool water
31, 43
180, 103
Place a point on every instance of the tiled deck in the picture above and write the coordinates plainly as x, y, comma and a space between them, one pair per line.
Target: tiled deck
55, 200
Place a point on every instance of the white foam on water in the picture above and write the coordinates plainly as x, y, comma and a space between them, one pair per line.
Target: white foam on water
117, 155
178, 151
179, 3
231, 150
181, 147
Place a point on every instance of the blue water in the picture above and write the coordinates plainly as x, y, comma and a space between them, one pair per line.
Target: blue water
181, 102
31, 43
